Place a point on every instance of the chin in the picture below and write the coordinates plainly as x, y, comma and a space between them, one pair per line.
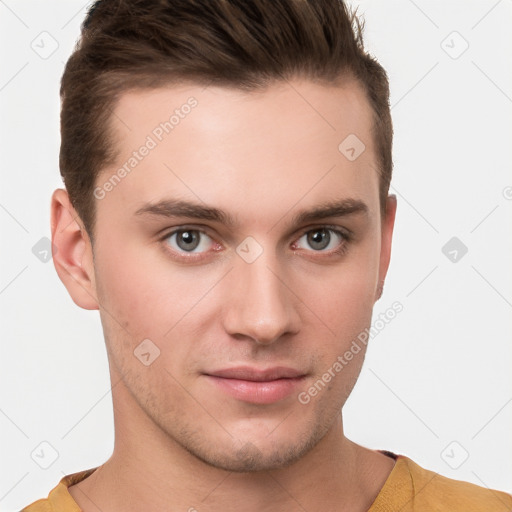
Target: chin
244, 454
250, 459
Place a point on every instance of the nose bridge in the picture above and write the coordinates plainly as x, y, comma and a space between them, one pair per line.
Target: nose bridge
260, 305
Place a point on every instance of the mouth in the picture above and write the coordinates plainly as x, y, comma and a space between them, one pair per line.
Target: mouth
257, 386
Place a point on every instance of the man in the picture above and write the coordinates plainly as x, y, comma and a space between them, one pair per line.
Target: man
258, 132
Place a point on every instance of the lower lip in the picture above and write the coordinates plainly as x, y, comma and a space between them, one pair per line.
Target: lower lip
257, 392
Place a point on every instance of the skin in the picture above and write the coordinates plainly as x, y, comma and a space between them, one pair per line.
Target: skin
181, 443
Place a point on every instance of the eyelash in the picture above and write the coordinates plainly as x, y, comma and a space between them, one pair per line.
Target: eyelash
339, 251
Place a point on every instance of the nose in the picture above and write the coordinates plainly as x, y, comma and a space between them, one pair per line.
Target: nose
261, 304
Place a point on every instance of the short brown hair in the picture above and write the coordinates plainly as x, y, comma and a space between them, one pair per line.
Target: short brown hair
247, 44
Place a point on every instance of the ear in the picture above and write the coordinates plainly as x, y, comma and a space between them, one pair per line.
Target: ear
388, 223
73, 258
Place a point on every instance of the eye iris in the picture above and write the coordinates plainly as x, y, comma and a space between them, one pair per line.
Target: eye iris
187, 240
321, 237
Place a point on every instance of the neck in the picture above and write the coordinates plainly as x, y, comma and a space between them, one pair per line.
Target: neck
150, 471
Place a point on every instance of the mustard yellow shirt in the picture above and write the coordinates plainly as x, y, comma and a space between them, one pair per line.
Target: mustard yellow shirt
408, 488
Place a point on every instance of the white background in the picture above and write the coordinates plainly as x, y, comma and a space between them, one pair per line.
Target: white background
436, 384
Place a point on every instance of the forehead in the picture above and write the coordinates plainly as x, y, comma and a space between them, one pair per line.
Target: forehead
226, 111
257, 150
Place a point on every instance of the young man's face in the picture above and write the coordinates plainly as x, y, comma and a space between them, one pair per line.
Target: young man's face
268, 291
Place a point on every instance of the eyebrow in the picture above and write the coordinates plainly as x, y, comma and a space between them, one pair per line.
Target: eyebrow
170, 208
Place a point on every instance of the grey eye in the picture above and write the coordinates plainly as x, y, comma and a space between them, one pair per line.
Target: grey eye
319, 239
188, 240
322, 238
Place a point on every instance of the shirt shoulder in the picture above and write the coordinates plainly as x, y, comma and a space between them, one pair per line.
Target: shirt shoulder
42, 505
59, 499
411, 488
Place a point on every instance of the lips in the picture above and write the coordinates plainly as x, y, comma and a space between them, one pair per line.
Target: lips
255, 385
257, 375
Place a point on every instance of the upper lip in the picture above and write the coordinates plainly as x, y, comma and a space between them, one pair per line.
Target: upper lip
257, 374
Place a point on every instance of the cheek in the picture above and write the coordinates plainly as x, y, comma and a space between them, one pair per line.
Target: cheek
134, 290
344, 295
144, 296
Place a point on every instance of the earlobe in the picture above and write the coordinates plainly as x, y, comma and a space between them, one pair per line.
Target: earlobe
388, 223
73, 258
